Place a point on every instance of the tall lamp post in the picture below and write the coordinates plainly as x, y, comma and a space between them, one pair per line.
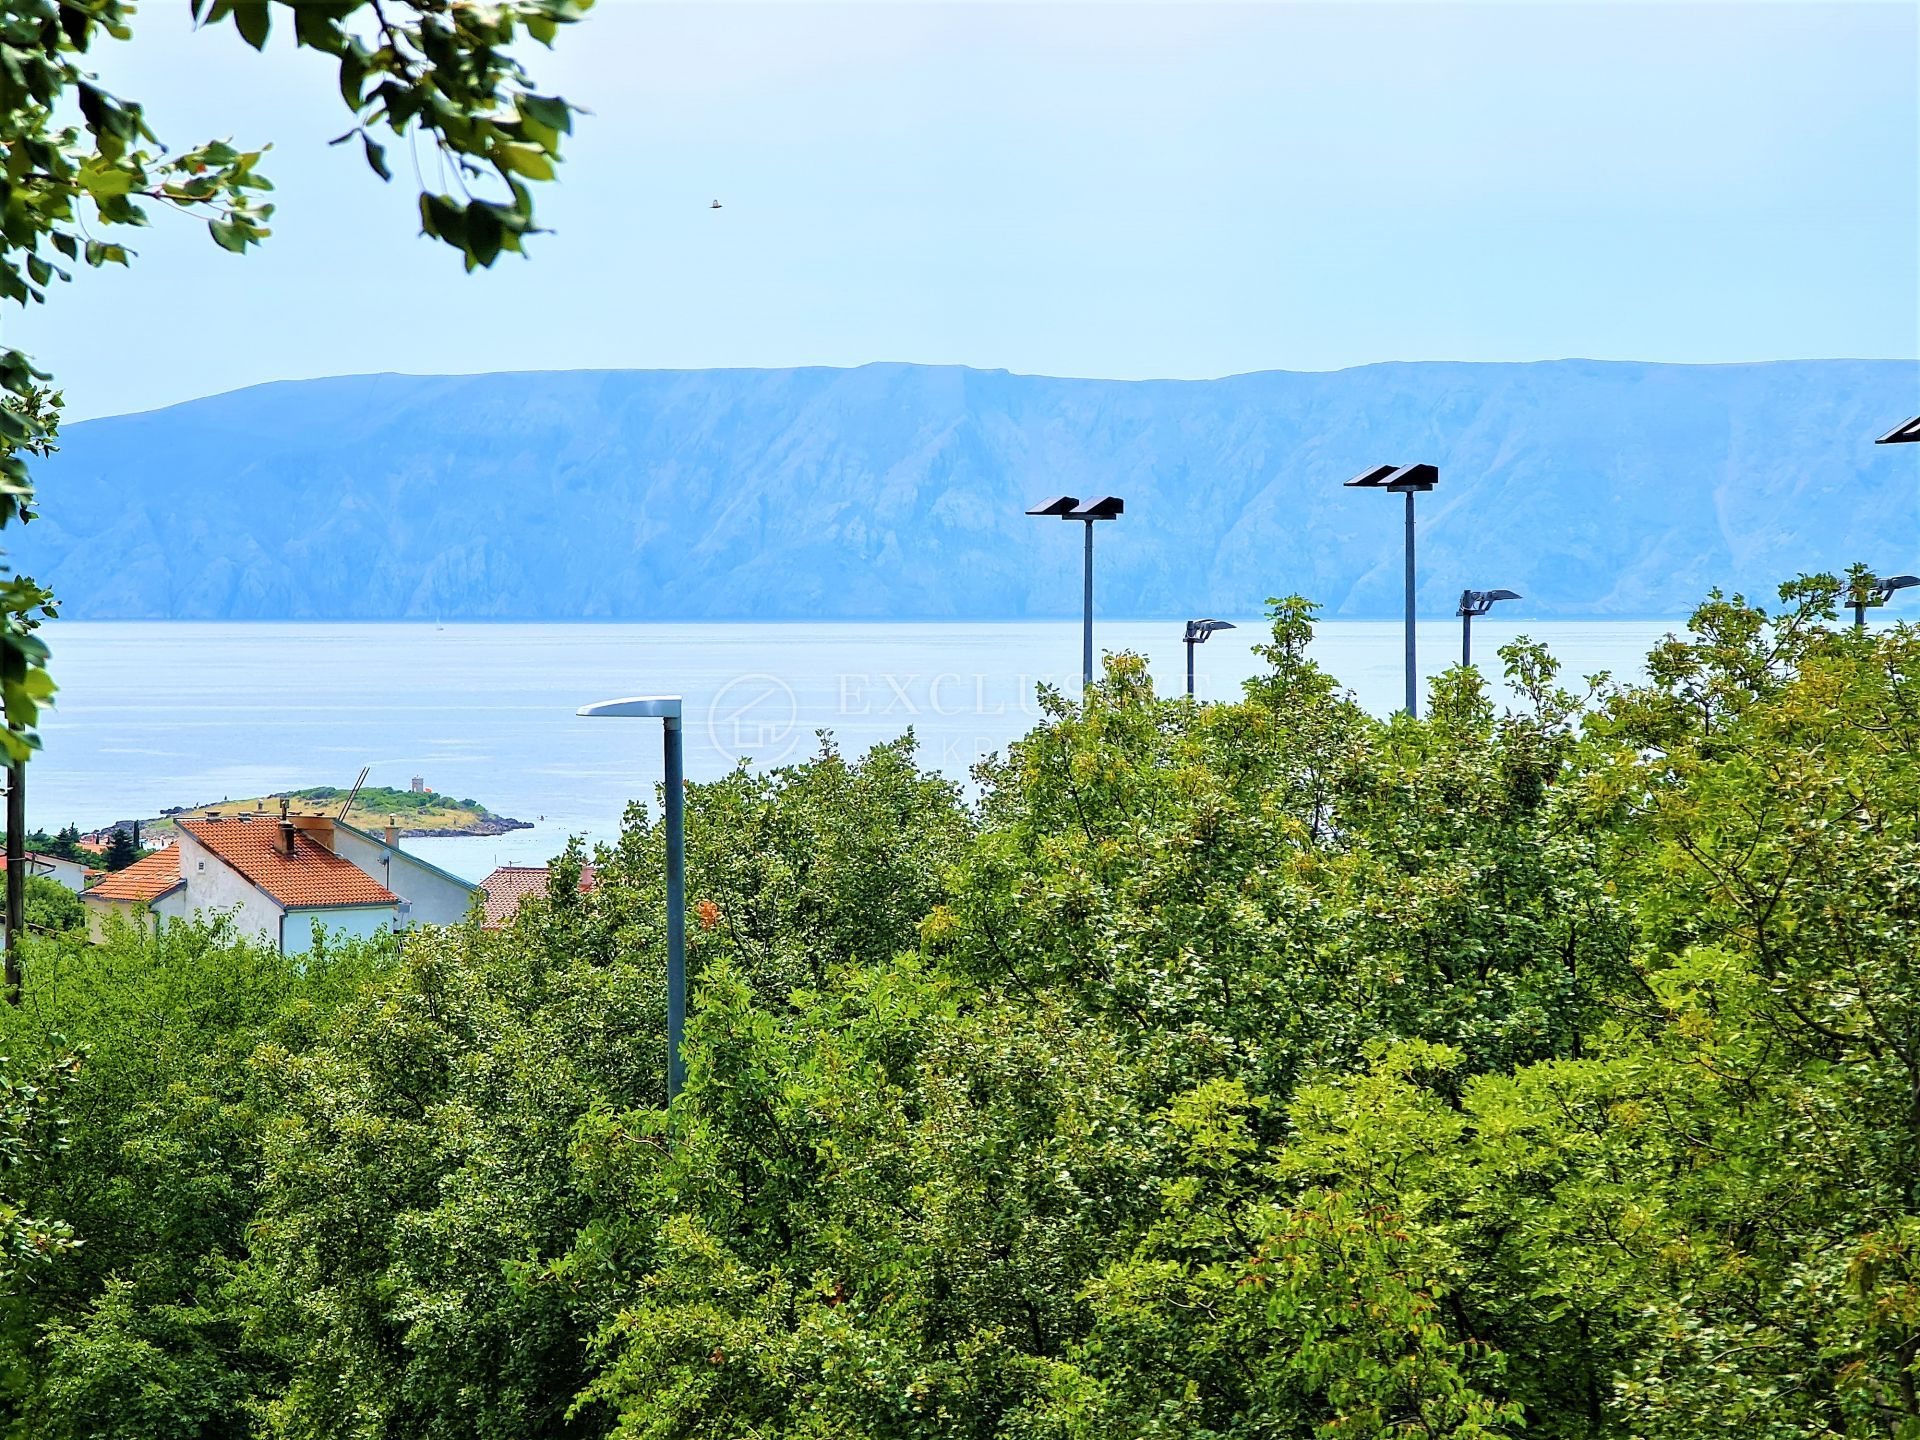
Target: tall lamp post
1472, 603
1197, 633
1878, 593
1407, 480
1066, 507
16, 875
666, 708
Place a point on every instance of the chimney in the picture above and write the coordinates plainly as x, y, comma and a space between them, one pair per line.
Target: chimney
393, 833
317, 828
286, 838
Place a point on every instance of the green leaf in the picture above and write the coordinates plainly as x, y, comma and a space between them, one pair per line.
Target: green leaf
229, 235
547, 110
483, 232
252, 20
527, 160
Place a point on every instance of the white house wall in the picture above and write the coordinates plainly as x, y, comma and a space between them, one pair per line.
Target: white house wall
98, 911
146, 916
346, 922
432, 898
212, 885
70, 873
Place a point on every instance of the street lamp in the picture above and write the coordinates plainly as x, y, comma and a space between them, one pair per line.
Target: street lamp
1472, 603
666, 708
1066, 507
1197, 633
1407, 480
1877, 593
1905, 434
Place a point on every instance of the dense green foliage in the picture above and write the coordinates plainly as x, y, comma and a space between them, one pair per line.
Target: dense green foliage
51, 908
1250, 1070
384, 799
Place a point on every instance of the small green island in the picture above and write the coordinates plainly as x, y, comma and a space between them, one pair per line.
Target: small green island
413, 813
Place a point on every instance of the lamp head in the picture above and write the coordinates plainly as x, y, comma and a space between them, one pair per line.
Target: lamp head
637, 707
1907, 433
1479, 602
1061, 505
1398, 478
1199, 630
1102, 507
1367, 479
1417, 478
1888, 584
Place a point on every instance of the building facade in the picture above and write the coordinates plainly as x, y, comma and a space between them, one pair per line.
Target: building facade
283, 880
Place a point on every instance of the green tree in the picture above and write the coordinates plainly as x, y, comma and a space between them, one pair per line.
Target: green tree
64, 843
120, 852
52, 908
1254, 1069
144, 1327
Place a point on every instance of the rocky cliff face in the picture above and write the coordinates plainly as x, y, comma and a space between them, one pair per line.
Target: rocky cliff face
896, 491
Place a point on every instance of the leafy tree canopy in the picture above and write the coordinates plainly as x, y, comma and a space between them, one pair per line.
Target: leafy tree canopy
1253, 1069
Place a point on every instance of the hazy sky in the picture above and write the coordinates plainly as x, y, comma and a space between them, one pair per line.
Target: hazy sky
1085, 189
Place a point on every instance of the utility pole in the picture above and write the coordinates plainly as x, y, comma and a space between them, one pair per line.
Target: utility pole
1197, 633
1067, 507
1412, 663
667, 710
16, 873
1407, 480
1472, 603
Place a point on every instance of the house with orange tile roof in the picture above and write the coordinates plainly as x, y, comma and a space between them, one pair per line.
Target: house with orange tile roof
143, 895
509, 885
278, 882
277, 878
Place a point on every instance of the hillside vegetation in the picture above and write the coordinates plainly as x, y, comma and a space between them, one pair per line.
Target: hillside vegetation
413, 812
898, 491
1250, 1070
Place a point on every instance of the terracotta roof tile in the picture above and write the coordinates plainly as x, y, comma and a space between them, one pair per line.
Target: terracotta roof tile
312, 878
146, 879
509, 885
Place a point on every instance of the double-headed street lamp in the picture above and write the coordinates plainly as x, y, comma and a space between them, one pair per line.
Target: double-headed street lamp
1197, 633
1876, 593
666, 708
1472, 603
1066, 507
1407, 480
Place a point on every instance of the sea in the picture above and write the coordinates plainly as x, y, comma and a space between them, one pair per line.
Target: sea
152, 715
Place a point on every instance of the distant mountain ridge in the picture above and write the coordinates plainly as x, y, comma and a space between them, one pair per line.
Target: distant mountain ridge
896, 491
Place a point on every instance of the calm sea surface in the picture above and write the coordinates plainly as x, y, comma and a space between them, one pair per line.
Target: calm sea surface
157, 714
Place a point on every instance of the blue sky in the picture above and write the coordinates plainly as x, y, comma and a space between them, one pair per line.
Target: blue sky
1084, 188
